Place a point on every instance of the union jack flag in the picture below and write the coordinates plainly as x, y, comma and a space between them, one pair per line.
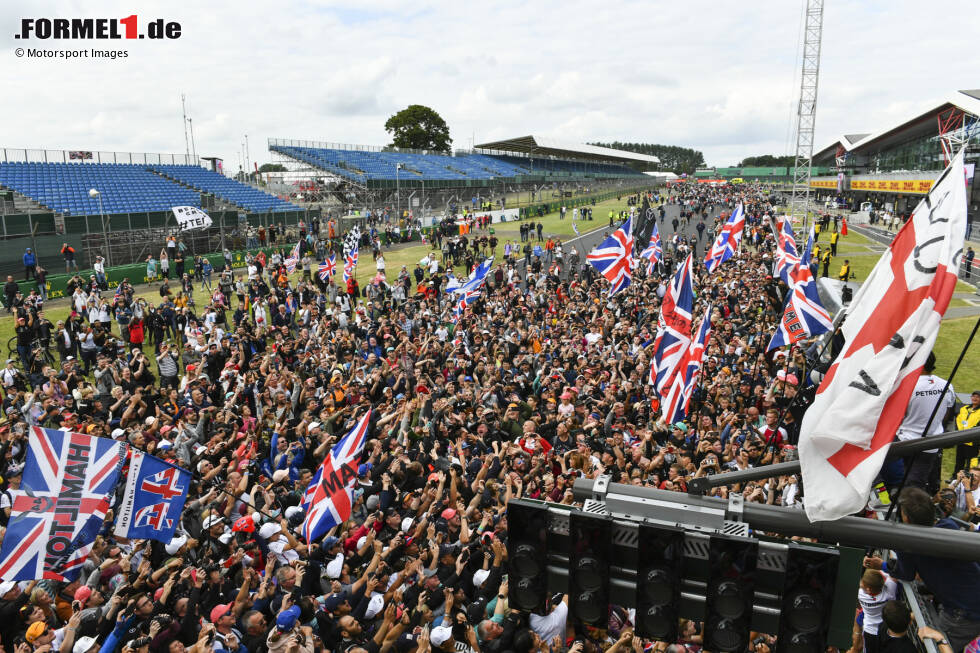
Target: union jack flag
727, 242
328, 268
653, 252
673, 327
613, 257
803, 314
787, 258
327, 500
475, 281
688, 370
61, 504
292, 260
350, 263
465, 299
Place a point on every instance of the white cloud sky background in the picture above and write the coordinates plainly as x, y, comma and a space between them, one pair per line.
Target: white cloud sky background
721, 77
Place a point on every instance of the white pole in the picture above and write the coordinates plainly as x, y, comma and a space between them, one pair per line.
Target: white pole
187, 146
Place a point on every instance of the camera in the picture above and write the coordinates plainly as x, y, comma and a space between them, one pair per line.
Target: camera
140, 643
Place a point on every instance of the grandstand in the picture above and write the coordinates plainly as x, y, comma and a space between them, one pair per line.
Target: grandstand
125, 188
207, 181
367, 175
364, 166
63, 187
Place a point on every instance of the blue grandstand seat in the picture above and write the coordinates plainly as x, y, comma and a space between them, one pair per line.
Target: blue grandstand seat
127, 188
362, 166
228, 189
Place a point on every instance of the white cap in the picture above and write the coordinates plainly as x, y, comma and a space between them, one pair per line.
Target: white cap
480, 577
280, 475
173, 546
407, 524
375, 605
335, 566
83, 644
269, 530
225, 538
212, 521
361, 542
7, 586
440, 635
117, 433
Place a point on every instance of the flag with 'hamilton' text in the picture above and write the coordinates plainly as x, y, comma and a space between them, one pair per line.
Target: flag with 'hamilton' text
61, 504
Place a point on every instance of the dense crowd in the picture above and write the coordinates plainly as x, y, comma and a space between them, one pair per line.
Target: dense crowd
542, 381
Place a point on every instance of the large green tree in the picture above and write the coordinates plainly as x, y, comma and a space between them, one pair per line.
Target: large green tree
767, 161
672, 157
272, 167
418, 127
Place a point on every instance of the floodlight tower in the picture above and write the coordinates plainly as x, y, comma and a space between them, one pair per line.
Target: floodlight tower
807, 110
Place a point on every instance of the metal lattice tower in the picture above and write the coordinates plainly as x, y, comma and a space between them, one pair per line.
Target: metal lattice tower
807, 110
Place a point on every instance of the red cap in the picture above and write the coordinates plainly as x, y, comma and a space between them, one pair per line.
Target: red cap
448, 513
83, 594
219, 611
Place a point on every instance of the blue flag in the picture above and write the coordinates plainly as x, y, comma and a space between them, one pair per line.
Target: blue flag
154, 499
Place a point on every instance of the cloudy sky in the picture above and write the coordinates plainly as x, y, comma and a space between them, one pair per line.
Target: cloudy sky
717, 76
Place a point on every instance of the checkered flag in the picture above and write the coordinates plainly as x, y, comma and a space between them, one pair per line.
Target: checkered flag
352, 238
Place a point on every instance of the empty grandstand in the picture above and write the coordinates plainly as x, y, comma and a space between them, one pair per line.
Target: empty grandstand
207, 181
374, 176
45, 201
135, 184
125, 188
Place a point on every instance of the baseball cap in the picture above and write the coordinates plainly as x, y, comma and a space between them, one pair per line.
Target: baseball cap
83, 644
213, 520
329, 542
440, 635
83, 594
36, 630
6, 587
221, 610
173, 546
681, 425
448, 513
287, 619
333, 601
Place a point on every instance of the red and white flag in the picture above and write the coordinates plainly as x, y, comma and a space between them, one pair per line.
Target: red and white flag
891, 327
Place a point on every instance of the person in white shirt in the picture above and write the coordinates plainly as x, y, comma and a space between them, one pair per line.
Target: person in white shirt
929, 391
551, 625
875, 590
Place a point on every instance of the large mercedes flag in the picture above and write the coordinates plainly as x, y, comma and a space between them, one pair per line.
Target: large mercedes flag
890, 328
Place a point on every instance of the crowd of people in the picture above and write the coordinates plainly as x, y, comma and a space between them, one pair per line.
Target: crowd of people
542, 381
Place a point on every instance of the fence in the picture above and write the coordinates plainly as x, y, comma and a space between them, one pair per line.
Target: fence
127, 237
28, 155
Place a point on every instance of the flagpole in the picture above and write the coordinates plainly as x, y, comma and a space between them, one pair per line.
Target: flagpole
838, 319
935, 409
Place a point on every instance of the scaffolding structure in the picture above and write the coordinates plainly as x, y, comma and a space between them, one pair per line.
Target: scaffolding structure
806, 111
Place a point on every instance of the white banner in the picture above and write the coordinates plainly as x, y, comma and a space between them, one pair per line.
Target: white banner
190, 218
